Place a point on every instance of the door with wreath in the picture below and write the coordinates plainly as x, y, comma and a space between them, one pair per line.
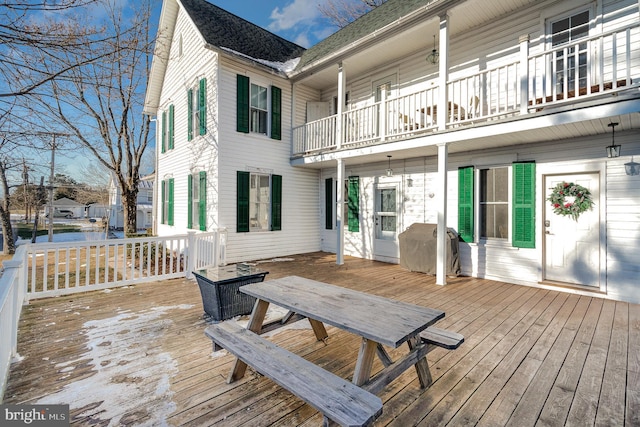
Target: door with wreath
572, 229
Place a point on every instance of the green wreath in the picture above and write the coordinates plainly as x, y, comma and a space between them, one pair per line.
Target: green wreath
582, 200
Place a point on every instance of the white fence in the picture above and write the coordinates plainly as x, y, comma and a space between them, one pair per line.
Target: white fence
53, 269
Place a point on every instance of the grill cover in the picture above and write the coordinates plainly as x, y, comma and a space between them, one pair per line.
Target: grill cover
418, 249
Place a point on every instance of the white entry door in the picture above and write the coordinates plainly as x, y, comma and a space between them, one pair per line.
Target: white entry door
386, 222
572, 247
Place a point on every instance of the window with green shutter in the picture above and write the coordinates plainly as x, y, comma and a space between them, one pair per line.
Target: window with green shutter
524, 199
170, 203
276, 202
202, 202
328, 203
465, 203
189, 201
171, 127
163, 199
242, 101
353, 203
242, 202
163, 148
189, 114
202, 107
276, 113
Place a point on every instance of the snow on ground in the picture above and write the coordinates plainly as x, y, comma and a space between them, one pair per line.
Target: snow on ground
131, 372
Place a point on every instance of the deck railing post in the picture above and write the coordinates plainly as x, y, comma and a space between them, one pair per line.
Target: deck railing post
191, 253
524, 74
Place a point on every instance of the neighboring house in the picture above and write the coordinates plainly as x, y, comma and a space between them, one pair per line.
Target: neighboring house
65, 208
369, 132
144, 206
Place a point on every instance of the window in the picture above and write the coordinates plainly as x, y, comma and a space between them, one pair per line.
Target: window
167, 129
351, 209
570, 64
197, 110
167, 201
197, 203
259, 202
494, 203
150, 196
493, 206
259, 109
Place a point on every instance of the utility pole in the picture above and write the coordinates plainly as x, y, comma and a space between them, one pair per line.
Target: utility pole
25, 182
53, 159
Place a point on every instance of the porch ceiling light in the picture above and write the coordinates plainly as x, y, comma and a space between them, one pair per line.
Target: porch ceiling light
433, 56
632, 168
389, 170
613, 150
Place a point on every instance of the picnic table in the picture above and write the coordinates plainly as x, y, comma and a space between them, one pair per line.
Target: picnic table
374, 320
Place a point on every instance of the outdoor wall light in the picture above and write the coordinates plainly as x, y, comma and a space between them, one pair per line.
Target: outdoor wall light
389, 170
632, 168
433, 56
613, 150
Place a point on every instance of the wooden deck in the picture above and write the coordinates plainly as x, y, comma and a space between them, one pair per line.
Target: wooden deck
139, 356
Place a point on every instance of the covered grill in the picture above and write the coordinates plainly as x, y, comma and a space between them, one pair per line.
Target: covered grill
418, 249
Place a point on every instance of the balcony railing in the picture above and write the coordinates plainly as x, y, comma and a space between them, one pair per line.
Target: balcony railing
555, 76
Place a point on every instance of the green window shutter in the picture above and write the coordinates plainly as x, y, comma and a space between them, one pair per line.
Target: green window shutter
354, 203
276, 113
164, 132
242, 199
171, 110
276, 202
170, 213
328, 203
242, 124
202, 106
202, 214
189, 114
465, 203
524, 205
163, 198
189, 201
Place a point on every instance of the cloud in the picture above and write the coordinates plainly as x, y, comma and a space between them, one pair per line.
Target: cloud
300, 12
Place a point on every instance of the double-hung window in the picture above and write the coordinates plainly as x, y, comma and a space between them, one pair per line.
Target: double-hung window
166, 189
167, 129
351, 209
259, 202
197, 110
259, 108
570, 58
197, 203
505, 196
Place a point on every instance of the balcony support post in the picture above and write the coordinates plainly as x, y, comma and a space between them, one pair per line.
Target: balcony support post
443, 73
339, 213
524, 73
342, 83
441, 238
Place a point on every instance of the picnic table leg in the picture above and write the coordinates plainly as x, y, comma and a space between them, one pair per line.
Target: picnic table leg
422, 366
365, 362
255, 325
319, 330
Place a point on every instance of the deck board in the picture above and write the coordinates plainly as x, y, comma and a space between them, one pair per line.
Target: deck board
531, 356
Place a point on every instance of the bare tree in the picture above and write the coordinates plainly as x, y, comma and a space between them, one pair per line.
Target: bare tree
7, 163
342, 12
100, 103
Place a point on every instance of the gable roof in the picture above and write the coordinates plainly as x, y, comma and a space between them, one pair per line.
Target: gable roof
223, 29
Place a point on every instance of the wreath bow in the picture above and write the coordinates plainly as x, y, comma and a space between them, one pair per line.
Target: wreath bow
581, 202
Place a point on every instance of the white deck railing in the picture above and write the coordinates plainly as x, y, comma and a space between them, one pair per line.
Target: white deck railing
54, 269
607, 62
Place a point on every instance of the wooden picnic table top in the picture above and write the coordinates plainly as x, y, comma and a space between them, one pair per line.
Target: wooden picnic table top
376, 318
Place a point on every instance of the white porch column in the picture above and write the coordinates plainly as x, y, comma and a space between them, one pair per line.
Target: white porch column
443, 72
339, 213
524, 74
441, 243
342, 83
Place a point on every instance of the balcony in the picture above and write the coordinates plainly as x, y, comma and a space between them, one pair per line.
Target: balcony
519, 88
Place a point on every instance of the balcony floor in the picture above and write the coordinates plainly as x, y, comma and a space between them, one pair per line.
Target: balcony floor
138, 356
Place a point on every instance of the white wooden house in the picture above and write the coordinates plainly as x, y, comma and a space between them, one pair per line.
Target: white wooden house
144, 205
368, 132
